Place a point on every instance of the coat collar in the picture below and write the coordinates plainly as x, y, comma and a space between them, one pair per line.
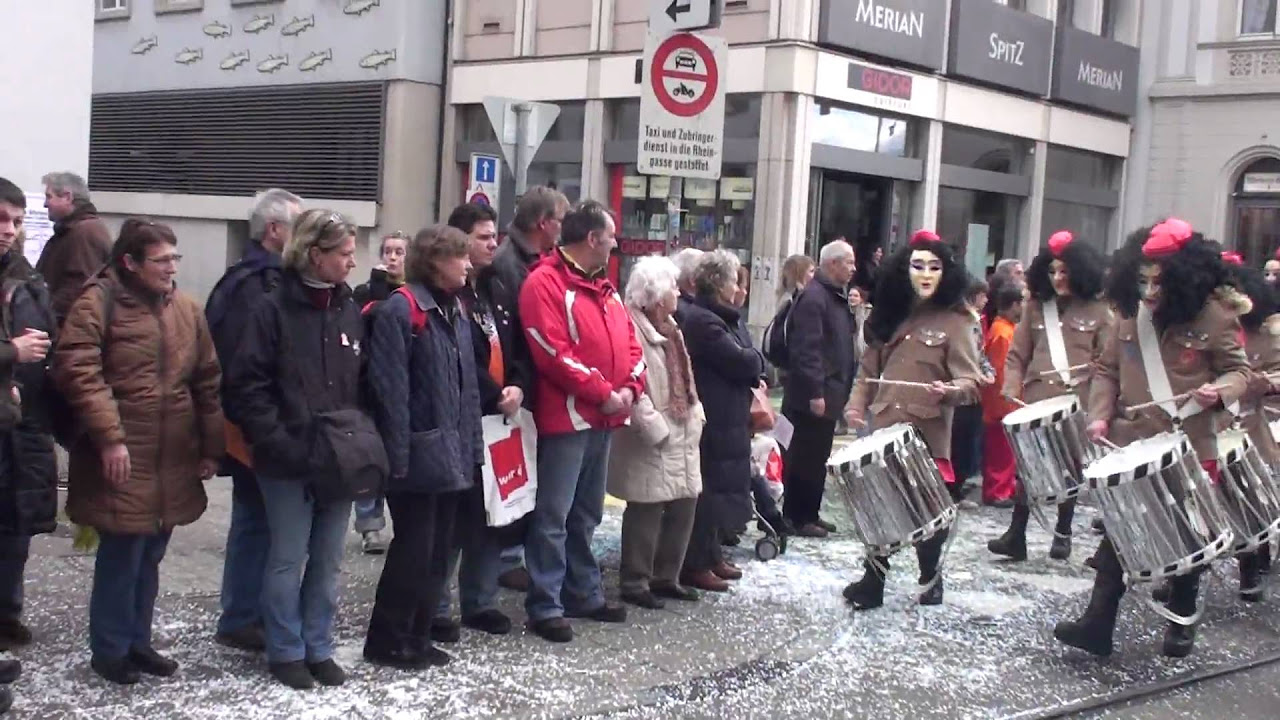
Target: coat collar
645, 326
295, 291
730, 315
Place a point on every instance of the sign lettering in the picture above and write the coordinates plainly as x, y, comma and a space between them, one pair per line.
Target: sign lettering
1006, 50
906, 23
1112, 80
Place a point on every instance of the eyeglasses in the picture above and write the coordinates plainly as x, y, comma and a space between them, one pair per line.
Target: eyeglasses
333, 219
173, 259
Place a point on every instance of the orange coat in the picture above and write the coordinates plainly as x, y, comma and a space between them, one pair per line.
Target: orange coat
996, 346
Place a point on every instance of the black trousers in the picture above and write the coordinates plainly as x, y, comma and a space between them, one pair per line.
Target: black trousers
804, 467
415, 572
928, 555
704, 541
1184, 590
966, 442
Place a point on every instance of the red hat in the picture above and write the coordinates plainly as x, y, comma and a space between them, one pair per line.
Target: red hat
923, 236
1232, 257
1059, 241
1167, 238
1277, 255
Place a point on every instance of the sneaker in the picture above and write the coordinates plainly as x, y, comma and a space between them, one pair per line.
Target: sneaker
117, 670
445, 630
249, 638
149, 661
556, 629
494, 622
9, 671
606, 613
643, 598
515, 579
13, 633
373, 543
327, 673
674, 591
293, 674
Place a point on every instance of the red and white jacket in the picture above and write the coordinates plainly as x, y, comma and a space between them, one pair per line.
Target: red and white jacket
583, 346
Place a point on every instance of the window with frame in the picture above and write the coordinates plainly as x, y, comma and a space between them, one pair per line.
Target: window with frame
110, 5
1258, 17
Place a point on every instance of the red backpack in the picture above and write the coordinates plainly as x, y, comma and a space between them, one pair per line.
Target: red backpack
417, 316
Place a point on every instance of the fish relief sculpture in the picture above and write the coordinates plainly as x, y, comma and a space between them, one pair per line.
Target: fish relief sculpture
377, 59
260, 23
188, 56
216, 29
298, 25
315, 60
273, 63
234, 60
360, 7
145, 45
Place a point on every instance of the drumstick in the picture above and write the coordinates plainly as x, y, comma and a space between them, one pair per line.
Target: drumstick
1175, 398
1071, 369
1108, 443
903, 383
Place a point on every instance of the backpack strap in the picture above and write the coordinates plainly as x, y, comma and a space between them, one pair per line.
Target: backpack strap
417, 316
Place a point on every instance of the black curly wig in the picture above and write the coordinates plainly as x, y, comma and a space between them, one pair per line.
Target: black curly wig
1250, 282
1187, 278
1084, 272
895, 297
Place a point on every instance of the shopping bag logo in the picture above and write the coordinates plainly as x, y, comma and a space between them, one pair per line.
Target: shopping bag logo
508, 464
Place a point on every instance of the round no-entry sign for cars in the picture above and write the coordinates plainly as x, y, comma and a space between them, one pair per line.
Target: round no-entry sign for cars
684, 75
478, 198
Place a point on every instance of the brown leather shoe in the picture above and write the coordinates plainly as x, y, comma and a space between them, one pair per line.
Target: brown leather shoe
811, 530
515, 579
727, 571
704, 580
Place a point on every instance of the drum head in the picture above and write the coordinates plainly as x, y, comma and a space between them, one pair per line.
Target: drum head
1137, 459
1232, 444
1275, 430
864, 451
1045, 412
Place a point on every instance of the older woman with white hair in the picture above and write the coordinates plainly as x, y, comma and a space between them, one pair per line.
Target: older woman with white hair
686, 262
654, 462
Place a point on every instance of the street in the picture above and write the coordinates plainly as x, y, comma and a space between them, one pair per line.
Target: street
782, 644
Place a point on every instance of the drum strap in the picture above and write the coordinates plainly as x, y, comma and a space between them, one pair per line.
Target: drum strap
1057, 347
1153, 366
1174, 617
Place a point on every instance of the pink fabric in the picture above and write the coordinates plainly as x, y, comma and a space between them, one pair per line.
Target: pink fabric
999, 469
1167, 238
944, 467
1059, 241
924, 236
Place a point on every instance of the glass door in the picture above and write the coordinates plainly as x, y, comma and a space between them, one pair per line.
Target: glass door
1257, 229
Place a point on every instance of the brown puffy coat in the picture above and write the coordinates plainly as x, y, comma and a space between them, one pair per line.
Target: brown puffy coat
154, 388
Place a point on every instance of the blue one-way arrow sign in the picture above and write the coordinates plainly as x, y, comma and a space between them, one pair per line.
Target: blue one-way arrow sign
486, 169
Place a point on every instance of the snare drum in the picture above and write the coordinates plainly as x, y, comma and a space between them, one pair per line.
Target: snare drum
1052, 449
1160, 509
892, 488
1246, 492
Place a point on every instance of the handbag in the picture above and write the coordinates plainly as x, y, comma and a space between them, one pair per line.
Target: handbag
763, 417
510, 472
348, 457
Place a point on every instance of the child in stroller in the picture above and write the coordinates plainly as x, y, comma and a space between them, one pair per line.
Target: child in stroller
766, 499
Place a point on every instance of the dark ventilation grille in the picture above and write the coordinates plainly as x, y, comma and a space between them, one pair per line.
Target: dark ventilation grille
322, 141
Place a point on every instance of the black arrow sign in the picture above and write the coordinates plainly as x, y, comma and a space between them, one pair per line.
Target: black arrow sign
675, 10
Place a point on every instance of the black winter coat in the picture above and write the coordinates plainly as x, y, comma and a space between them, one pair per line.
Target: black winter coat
820, 349
480, 310
295, 359
424, 394
501, 283
725, 369
379, 287
28, 468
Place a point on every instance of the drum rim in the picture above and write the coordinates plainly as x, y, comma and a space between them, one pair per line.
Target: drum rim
1165, 460
848, 458
1235, 454
1071, 408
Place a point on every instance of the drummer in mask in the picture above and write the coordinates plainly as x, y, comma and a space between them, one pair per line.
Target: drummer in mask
918, 332
1178, 335
1054, 349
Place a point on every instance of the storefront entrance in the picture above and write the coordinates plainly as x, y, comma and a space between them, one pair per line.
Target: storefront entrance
858, 208
1255, 209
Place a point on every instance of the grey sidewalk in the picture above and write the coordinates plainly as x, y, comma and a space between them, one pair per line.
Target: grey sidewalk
781, 645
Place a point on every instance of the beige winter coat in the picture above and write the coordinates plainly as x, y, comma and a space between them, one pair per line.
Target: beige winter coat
655, 457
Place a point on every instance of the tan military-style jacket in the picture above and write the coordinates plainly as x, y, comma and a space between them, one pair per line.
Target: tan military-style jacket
1084, 326
931, 344
1205, 350
1263, 349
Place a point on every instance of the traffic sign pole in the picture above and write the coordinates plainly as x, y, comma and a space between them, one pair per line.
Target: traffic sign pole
522, 163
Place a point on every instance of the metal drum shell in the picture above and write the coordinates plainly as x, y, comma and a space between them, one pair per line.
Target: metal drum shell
1052, 448
1246, 491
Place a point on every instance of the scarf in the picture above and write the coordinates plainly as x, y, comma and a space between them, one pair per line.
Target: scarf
681, 398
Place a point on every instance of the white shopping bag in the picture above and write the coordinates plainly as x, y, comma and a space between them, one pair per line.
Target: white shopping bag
510, 470
766, 461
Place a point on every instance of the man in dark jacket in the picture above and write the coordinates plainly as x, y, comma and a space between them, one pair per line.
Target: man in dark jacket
244, 284
820, 377
532, 234
28, 474
80, 245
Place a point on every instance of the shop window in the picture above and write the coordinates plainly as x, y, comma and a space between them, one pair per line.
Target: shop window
1082, 191
986, 151
741, 117
983, 226
473, 123
1257, 17
1091, 223
856, 130
1078, 167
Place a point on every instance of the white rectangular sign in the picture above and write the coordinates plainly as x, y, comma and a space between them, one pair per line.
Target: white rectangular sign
36, 227
667, 16
485, 180
1261, 182
682, 105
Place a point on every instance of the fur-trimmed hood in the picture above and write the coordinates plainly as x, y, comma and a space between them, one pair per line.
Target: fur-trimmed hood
1234, 300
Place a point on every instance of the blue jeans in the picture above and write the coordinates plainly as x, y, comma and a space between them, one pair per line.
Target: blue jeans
476, 557
126, 580
300, 586
369, 515
248, 540
14, 550
510, 558
563, 571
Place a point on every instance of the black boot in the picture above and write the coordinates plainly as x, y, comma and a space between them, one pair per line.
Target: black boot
1251, 589
1180, 639
1013, 543
868, 593
929, 553
1094, 630
1161, 592
1264, 559
1061, 547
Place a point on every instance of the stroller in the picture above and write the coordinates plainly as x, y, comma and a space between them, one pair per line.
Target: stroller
767, 489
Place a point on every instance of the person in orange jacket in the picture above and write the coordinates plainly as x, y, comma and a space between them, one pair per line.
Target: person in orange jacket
998, 467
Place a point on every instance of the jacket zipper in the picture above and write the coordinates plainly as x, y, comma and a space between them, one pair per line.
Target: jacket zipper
162, 361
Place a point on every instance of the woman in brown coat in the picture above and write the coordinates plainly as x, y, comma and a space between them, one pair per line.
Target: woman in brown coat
137, 366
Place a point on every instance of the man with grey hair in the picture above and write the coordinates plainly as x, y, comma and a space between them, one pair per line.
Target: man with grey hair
80, 245
228, 308
821, 369
686, 262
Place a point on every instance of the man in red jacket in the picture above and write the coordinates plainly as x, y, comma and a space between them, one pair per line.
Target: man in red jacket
590, 369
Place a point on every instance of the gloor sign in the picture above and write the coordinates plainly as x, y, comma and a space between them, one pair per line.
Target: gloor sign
1095, 72
682, 106
906, 30
1001, 46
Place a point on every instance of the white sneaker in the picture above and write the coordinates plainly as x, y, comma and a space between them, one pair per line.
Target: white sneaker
373, 543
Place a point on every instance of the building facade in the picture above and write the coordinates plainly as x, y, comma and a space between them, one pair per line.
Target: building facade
1207, 135
994, 122
198, 104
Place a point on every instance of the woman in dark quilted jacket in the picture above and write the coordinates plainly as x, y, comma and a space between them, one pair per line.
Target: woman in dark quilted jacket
425, 396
